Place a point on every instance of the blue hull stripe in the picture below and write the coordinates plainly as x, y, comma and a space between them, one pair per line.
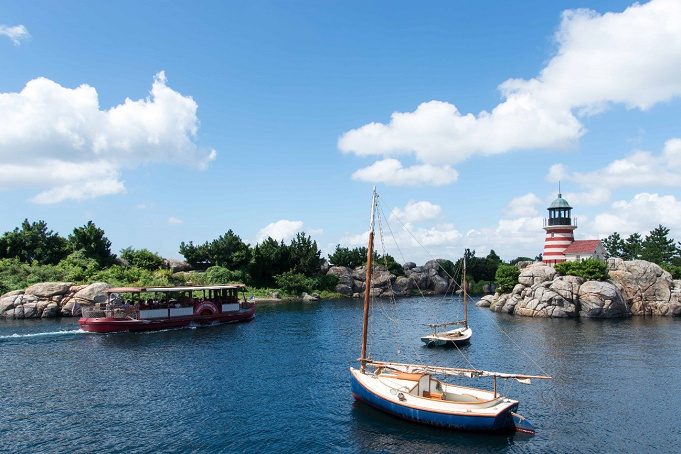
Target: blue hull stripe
454, 421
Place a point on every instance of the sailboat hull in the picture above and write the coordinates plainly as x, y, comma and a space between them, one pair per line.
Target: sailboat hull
493, 415
456, 337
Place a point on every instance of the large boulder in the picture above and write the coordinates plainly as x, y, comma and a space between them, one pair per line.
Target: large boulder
48, 289
91, 294
536, 274
600, 299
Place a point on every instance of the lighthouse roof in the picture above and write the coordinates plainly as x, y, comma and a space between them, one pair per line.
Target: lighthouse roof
560, 202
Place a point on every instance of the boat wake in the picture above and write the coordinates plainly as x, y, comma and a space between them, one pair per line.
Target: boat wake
45, 334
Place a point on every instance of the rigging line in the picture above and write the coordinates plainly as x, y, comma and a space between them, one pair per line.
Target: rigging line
514, 343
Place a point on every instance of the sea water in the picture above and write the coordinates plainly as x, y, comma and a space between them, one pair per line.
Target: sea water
281, 383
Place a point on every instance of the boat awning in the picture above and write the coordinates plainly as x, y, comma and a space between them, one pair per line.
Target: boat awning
192, 288
124, 290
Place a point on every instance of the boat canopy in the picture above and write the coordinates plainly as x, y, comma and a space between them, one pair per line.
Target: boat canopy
188, 288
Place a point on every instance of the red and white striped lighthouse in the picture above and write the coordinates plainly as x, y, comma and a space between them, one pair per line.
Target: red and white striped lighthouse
559, 231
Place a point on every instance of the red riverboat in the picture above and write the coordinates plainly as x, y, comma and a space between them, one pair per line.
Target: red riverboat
154, 308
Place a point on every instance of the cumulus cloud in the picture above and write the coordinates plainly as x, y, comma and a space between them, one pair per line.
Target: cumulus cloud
639, 168
417, 212
280, 230
525, 205
641, 214
172, 220
391, 172
17, 33
57, 140
631, 58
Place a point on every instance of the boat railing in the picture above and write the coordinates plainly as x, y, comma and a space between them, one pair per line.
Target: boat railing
115, 311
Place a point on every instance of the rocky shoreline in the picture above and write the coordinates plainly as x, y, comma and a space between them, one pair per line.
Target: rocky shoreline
634, 288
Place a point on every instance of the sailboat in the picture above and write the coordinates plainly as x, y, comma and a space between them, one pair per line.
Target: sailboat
453, 337
411, 391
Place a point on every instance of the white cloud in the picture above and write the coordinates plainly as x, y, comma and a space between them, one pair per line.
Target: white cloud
640, 168
417, 212
172, 220
61, 141
391, 172
641, 214
525, 205
632, 57
17, 33
280, 230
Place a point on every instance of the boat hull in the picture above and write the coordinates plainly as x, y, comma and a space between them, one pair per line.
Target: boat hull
413, 408
452, 338
113, 325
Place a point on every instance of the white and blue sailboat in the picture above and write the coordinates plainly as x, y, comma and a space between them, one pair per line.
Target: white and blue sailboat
412, 392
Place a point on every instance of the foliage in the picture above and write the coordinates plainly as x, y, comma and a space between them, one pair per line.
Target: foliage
674, 270
227, 251
268, 259
480, 269
78, 267
34, 243
351, 258
389, 262
324, 282
506, 277
292, 283
92, 241
142, 258
633, 247
13, 274
119, 276
657, 248
613, 245
222, 275
517, 260
305, 257
590, 269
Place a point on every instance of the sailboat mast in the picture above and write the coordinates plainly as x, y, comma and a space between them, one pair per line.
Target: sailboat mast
367, 291
465, 295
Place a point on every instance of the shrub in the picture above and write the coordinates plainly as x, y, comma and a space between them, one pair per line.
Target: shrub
506, 278
292, 283
589, 269
222, 275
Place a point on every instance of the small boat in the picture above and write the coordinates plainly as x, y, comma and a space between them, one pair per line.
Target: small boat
454, 337
412, 391
154, 308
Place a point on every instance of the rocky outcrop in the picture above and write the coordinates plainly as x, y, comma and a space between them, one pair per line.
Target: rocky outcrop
50, 299
429, 279
634, 288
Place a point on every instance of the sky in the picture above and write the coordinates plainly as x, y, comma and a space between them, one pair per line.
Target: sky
165, 122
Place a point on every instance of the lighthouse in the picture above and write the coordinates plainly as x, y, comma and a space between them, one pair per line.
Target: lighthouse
559, 231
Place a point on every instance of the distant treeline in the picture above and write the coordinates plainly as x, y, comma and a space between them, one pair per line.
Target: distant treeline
32, 253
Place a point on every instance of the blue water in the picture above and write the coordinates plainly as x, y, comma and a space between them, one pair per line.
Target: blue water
281, 384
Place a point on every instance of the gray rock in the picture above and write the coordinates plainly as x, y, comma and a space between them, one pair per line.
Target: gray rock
93, 293
48, 289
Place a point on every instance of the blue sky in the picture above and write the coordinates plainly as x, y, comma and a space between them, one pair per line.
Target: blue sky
176, 121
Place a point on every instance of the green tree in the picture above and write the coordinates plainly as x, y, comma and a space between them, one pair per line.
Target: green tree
33, 242
142, 258
657, 248
92, 241
516, 260
389, 262
590, 269
305, 256
633, 247
506, 278
292, 283
614, 245
229, 252
196, 256
269, 259
222, 275
350, 258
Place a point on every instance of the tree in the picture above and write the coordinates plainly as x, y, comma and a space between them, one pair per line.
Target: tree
657, 248
350, 258
34, 243
517, 260
633, 247
269, 259
196, 256
304, 255
614, 245
229, 252
142, 259
92, 241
